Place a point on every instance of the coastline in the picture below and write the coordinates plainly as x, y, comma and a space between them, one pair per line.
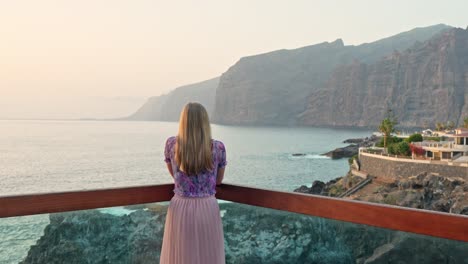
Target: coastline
423, 190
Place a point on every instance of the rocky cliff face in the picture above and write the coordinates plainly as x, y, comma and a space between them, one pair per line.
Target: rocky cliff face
422, 85
167, 107
252, 235
420, 73
271, 88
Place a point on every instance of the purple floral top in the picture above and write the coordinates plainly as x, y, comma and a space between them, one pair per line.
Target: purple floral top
202, 184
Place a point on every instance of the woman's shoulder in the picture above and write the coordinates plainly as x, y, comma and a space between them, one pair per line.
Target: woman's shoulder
218, 145
170, 141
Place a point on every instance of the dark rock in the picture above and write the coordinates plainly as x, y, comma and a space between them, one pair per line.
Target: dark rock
355, 140
426, 191
345, 152
302, 189
252, 235
298, 154
353, 149
317, 187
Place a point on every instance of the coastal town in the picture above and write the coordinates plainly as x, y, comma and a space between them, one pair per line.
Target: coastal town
446, 145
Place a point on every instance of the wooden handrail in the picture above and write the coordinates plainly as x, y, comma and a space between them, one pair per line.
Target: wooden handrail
31, 204
437, 224
417, 221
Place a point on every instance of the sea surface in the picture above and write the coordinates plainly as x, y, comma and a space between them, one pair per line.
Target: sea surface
54, 156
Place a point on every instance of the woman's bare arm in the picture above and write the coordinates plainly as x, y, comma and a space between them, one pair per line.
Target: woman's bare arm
220, 176
169, 168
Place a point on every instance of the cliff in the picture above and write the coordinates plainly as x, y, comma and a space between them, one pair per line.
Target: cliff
167, 107
271, 88
295, 87
252, 235
422, 85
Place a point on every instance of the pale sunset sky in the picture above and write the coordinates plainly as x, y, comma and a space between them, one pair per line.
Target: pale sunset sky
103, 58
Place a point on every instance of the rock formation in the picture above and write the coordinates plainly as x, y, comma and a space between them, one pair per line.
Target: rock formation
423, 84
167, 107
423, 191
321, 84
353, 149
420, 74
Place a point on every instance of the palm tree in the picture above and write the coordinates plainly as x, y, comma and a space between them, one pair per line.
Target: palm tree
387, 126
450, 125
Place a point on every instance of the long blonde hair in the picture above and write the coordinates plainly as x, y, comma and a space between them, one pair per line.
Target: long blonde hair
193, 145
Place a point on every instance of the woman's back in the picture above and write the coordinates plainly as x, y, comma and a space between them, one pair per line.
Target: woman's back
202, 184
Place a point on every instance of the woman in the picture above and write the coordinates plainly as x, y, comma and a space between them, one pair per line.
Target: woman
193, 232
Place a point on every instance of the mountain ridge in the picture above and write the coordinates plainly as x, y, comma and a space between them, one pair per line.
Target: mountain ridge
272, 88
167, 107
278, 87
425, 84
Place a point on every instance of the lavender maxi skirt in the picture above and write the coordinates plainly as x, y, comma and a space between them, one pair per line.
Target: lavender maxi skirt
193, 233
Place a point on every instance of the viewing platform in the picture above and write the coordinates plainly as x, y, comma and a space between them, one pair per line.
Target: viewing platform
289, 226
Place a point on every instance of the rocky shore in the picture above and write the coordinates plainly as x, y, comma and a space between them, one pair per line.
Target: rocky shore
353, 148
424, 190
252, 235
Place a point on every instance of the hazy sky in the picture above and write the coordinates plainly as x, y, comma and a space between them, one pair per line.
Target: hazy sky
63, 59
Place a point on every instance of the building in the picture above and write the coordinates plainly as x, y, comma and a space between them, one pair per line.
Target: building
454, 148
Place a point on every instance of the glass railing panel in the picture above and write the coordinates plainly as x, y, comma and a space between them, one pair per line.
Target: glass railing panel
131, 234
252, 235
260, 235
18, 234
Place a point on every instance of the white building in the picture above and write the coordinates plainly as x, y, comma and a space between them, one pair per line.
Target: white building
447, 150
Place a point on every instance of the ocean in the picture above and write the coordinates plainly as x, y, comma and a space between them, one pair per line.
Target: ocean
53, 156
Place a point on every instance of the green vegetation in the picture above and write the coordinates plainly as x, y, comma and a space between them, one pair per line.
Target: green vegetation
336, 190
387, 126
465, 122
390, 140
415, 138
433, 138
390, 199
401, 148
350, 160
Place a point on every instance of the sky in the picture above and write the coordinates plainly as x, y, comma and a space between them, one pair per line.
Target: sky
104, 58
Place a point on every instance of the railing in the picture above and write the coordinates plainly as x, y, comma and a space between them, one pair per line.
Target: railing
442, 144
424, 222
380, 153
421, 159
